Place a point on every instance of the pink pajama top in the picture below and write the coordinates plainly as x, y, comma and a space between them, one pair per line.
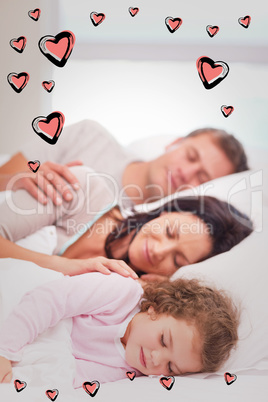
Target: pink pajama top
101, 307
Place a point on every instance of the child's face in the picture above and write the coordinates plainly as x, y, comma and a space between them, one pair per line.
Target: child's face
162, 345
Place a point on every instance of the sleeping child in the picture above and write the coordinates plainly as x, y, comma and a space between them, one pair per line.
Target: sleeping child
167, 328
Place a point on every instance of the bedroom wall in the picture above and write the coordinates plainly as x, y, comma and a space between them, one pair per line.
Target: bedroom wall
18, 110
137, 82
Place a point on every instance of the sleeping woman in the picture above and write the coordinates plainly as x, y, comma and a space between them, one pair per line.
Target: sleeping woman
92, 234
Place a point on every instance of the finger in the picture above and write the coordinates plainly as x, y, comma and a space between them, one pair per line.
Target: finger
48, 189
117, 267
131, 272
102, 269
59, 184
35, 191
65, 172
74, 163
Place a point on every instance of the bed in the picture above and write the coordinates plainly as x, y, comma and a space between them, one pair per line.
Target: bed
48, 364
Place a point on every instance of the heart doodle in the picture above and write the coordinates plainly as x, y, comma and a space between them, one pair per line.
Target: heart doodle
57, 49
34, 165
52, 394
18, 44
131, 375
227, 110
34, 14
49, 128
20, 385
167, 382
91, 388
173, 23
212, 30
133, 11
211, 72
48, 85
244, 21
230, 378
96, 18
18, 81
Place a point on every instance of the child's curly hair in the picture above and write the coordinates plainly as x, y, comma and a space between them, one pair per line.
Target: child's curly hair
211, 311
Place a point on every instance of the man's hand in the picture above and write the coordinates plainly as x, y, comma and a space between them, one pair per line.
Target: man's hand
49, 181
5, 370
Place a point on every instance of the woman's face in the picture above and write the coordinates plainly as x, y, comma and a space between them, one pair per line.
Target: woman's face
168, 242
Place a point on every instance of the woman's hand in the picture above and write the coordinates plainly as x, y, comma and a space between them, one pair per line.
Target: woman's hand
5, 370
98, 264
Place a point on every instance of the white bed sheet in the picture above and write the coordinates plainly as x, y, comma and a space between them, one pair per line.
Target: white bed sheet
49, 364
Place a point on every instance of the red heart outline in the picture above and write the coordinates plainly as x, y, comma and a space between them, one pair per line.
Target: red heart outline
48, 85
34, 14
229, 378
52, 394
34, 165
20, 385
212, 30
18, 44
173, 23
62, 44
242, 21
97, 18
206, 68
18, 81
167, 382
227, 110
51, 127
131, 375
91, 388
133, 11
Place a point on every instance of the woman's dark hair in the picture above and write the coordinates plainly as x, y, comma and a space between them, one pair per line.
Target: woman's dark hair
226, 225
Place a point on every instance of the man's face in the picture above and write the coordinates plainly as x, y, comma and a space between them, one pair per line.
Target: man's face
194, 161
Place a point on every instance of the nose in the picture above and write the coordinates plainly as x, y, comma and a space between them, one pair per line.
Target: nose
190, 171
156, 358
163, 249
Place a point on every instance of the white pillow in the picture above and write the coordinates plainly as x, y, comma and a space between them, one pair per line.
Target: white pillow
243, 273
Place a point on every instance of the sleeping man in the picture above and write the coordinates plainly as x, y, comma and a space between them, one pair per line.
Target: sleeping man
189, 161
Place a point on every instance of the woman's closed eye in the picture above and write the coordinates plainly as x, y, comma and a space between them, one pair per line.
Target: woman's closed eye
192, 154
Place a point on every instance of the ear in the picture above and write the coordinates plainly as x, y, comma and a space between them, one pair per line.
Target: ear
173, 144
151, 313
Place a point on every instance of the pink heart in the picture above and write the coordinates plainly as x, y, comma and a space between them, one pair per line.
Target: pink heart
167, 382
133, 11
48, 85
227, 110
97, 18
19, 385
173, 23
131, 375
34, 14
210, 72
57, 49
230, 378
18, 44
52, 394
18, 81
34, 165
244, 21
91, 388
212, 30
49, 128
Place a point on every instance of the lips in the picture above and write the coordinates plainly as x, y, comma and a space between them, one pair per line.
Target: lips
142, 358
174, 180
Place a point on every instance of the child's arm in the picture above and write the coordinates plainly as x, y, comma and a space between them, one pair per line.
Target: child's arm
46, 305
5, 370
